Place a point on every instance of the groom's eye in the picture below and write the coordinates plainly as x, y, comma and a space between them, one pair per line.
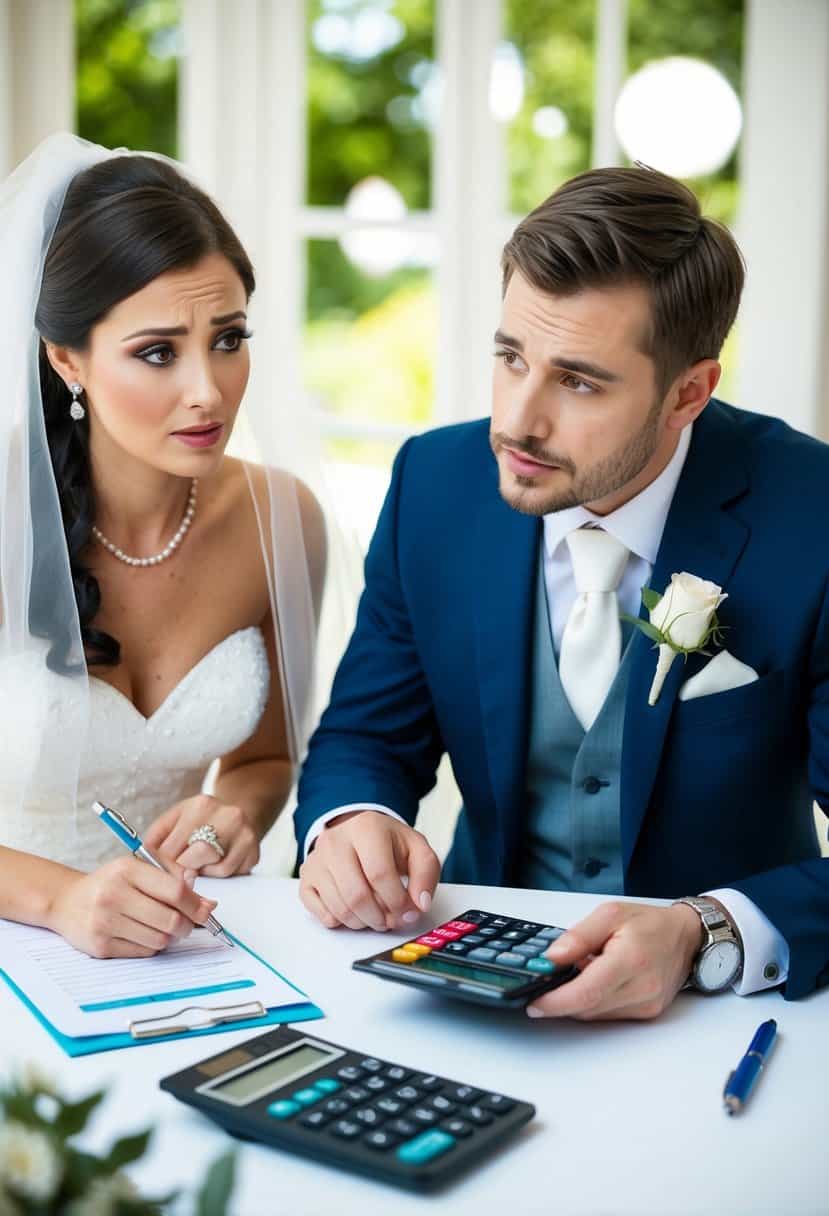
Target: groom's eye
577, 384
508, 357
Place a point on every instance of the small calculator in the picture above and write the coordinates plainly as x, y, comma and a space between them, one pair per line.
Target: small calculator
295, 1091
479, 957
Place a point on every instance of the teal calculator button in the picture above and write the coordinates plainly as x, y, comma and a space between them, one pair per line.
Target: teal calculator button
284, 1109
542, 965
424, 1147
327, 1085
306, 1097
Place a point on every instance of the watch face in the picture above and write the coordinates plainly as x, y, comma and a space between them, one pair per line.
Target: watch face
718, 966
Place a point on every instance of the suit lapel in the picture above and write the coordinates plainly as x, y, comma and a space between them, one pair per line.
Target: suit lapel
702, 538
505, 556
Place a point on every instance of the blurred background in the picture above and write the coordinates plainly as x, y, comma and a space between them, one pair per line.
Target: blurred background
374, 155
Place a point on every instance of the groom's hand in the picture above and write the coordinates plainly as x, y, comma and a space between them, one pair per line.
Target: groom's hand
353, 874
634, 958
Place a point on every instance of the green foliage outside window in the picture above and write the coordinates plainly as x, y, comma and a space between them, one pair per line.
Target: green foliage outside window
127, 73
370, 342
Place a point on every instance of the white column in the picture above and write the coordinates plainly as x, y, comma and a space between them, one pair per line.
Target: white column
610, 71
242, 131
784, 216
5, 89
469, 190
37, 75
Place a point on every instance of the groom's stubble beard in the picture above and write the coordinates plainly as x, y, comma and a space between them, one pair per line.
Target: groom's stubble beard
598, 481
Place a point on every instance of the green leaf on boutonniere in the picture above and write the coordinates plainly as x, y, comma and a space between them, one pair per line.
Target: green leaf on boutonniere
647, 628
650, 598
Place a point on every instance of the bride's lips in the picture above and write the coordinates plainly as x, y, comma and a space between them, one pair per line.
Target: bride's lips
524, 465
201, 436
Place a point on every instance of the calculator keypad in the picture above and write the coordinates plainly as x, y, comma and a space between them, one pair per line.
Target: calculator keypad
418, 1129
517, 946
420, 1120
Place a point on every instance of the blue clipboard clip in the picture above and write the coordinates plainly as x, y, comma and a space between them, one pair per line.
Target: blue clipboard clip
201, 1018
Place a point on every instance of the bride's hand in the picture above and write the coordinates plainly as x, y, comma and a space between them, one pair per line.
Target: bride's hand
127, 909
171, 831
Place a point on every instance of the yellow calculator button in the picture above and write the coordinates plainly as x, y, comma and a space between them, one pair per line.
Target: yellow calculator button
402, 955
417, 948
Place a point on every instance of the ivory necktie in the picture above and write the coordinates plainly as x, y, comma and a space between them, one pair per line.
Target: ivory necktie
591, 645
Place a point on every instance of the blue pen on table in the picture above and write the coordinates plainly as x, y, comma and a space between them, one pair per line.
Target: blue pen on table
128, 836
742, 1080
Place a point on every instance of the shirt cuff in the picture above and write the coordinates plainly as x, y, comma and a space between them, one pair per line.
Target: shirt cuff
318, 824
765, 949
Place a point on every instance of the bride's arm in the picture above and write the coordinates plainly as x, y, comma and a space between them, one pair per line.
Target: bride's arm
254, 780
125, 909
257, 777
30, 886
249, 791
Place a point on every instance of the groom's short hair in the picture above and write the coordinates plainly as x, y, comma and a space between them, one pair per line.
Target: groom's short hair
613, 227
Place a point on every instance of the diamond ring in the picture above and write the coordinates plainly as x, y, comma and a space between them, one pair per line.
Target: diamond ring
207, 833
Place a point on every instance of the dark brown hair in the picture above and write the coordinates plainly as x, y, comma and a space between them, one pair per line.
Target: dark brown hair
124, 221
610, 227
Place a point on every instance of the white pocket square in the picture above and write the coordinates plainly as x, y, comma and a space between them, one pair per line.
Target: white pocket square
720, 674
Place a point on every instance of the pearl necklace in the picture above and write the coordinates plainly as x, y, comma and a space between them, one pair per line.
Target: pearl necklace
165, 553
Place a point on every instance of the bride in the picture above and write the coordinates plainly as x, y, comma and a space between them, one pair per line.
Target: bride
159, 597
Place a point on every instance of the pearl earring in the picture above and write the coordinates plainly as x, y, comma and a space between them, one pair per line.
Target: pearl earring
76, 410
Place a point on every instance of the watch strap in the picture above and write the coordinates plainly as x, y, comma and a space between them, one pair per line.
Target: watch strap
716, 926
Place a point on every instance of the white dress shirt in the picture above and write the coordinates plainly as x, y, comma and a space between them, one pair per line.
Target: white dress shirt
638, 524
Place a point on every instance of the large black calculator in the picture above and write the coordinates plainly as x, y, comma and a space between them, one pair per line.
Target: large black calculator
480, 957
302, 1093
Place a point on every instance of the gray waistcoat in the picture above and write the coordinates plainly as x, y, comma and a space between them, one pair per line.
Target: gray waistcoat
571, 838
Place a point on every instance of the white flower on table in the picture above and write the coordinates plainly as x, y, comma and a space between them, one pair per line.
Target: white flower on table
29, 1165
103, 1196
682, 620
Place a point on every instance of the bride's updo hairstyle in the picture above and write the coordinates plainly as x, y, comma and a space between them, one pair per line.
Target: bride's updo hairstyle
124, 222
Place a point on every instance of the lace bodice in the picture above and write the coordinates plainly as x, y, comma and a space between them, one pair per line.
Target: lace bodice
141, 766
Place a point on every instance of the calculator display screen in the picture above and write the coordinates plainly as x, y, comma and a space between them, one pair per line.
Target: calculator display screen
271, 1073
467, 974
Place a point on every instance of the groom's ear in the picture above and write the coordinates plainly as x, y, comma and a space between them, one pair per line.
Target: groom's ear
65, 362
691, 392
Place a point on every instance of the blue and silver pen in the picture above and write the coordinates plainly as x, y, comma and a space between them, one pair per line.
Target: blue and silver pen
128, 836
742, 1080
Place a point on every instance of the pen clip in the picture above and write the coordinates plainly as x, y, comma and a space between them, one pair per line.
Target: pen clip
128, 828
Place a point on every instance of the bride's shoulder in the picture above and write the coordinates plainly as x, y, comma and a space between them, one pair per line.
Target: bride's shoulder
278, 498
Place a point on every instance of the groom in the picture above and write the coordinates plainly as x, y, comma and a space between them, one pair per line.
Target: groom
489, 629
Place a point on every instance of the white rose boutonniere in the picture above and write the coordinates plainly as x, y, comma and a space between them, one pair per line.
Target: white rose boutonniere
682, 621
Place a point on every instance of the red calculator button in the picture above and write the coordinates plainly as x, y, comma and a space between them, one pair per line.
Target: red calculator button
431, 939
462, 926
448, 935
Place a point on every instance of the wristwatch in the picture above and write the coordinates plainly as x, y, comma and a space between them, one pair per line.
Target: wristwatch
719, 960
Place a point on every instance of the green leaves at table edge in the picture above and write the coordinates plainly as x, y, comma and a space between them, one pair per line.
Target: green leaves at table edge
212, 1199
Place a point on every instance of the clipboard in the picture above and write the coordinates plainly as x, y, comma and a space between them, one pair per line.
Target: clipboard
222, 1018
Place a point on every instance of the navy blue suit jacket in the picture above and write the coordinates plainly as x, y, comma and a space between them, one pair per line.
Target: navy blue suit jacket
715, 791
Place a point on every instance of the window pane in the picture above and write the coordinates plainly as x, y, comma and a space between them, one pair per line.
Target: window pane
710, 31
706, 30
369, 349
371, 90
549, 138
127, 73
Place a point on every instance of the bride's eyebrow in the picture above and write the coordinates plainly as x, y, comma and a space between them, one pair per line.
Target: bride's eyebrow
177, 331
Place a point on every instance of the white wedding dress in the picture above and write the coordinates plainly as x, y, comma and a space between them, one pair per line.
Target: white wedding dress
140, 766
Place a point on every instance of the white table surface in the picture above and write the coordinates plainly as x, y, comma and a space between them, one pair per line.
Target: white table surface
629, 1120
